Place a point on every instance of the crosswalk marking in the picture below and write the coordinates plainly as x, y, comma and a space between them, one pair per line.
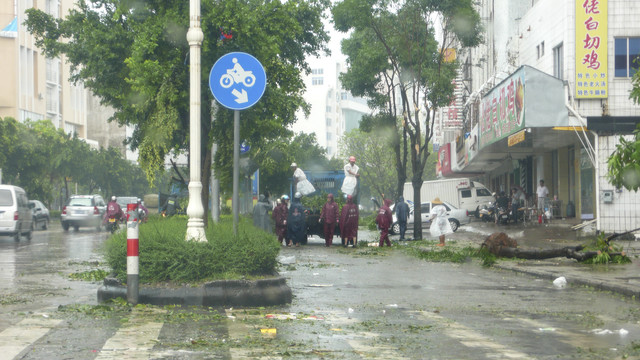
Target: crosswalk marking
15, 339
134, 340
472, 339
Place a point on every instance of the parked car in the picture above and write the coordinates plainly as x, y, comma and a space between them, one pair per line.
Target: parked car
15, 216
123, 201
40, 214
457, 217
83, 210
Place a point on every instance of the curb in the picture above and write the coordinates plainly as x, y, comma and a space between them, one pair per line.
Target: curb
597, 284
263, 292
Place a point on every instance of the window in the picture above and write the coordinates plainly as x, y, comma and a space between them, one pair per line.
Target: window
465, 193
540, 50
328, 122
558, 62
329, 137
425, 208
317, 80
343, 95
328, 109
317, 71
482, 192
627, 51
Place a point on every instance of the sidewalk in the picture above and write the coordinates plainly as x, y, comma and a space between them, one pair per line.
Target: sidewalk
622, 279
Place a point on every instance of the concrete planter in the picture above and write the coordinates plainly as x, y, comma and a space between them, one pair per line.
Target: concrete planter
263, 292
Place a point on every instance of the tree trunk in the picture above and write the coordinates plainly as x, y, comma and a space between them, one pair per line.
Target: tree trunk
570, 252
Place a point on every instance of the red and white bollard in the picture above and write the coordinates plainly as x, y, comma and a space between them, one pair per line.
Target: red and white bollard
133, 271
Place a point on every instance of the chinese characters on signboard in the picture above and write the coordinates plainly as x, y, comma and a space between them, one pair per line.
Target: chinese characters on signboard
452, 114
502, 110
591, 49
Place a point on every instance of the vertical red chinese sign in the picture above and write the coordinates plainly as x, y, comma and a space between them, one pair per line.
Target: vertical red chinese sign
591, 49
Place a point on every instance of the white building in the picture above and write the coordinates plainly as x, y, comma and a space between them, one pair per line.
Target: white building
37, 88
334, 110
548, 99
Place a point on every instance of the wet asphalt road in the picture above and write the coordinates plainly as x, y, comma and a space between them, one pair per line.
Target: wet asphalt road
348, 303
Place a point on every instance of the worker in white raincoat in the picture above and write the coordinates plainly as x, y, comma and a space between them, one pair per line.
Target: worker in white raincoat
440, 225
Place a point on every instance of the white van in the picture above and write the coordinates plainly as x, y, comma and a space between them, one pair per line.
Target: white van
16, 217
462, 193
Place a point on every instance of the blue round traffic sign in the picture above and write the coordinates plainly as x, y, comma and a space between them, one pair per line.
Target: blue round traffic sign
237, 80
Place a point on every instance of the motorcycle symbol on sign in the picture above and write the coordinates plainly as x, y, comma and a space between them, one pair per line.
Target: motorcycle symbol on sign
237, 75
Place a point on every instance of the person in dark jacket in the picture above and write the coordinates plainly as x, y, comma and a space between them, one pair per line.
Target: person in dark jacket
261, 214
171, 206
279, 216
384, 220
402, 214
296, 223
349, 222
329, 215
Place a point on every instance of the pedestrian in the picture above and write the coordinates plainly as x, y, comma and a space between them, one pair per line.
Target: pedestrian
351, 175
296, 222
329, 215
171, 206
300, 182
543, 192
440, 225
402, 214
261, 214
518, 199
279, 216
384, 220
349, 222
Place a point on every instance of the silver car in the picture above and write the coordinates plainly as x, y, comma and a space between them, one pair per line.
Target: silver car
83, 210
456, 216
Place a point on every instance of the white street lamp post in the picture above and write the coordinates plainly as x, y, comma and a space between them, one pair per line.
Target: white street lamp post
195, 210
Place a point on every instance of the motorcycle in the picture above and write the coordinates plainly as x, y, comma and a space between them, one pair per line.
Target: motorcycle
502, 215
486, 214
113, 224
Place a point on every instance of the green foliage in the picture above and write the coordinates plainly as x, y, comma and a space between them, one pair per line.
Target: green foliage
396, 59
91, 275
451, 253
43, 160
624, 163
132, 55
165, 256
605, 251
316, 202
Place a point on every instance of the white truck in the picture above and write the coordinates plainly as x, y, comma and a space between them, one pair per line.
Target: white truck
460, 192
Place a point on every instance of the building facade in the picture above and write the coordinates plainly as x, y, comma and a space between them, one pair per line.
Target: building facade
36, 87
334, 110
546, 97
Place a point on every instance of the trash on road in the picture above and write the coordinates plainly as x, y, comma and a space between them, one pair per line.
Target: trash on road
287, 260
269, 332
622, 332
281, 316
320, 285
547, 329
393, 306
560, 282
292, 316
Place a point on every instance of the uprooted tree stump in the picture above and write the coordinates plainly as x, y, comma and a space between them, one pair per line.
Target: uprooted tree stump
500, 244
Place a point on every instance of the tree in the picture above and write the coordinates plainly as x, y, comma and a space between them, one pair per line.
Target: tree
276, 157
43, 160
375, 161
133, 56
396, 60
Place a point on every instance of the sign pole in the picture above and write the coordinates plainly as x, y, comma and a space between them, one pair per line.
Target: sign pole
236, 169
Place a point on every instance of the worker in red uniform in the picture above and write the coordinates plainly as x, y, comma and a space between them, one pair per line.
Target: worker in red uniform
384, 220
